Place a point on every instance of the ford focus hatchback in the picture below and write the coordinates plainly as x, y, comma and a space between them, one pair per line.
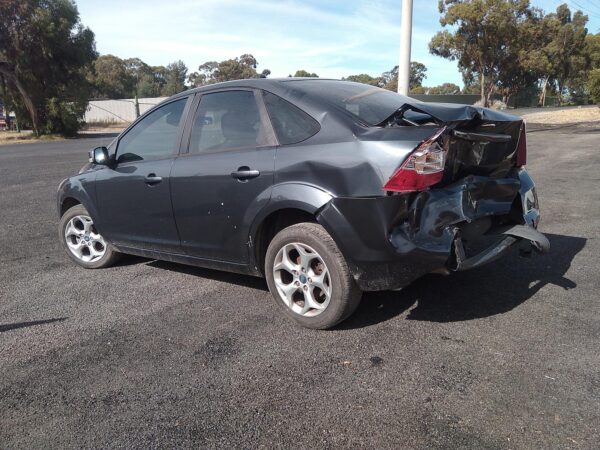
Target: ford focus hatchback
326, 188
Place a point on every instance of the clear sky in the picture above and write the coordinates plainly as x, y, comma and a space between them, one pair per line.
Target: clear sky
333, 38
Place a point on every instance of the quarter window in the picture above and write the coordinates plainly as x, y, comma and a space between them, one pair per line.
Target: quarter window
154, 137
227, 120
291, 124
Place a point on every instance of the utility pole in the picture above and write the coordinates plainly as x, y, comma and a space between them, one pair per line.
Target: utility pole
405, 44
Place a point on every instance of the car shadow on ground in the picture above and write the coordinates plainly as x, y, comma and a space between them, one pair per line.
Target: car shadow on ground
493, 289
16, 326
216, 275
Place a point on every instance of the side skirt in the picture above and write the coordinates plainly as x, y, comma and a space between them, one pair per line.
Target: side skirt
244, 269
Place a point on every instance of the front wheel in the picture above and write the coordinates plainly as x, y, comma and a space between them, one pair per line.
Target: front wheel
309, 277
82, 242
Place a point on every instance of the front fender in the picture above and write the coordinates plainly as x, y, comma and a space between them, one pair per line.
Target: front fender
81, 188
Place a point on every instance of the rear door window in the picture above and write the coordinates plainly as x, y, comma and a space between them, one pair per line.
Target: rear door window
227, 120
291, 124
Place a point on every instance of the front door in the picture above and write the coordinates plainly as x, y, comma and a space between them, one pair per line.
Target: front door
134, 195
225, 178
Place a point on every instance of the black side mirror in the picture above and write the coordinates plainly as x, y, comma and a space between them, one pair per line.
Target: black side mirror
99, 156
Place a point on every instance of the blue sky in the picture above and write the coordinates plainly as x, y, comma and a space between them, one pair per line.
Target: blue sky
332, 38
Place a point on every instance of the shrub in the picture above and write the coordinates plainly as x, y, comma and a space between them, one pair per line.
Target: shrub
594, 85
64, 117
496, 104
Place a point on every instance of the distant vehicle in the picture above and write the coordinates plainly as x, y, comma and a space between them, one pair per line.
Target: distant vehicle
326, 188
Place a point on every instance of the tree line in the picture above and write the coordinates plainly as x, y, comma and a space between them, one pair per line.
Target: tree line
507, 46
49, 66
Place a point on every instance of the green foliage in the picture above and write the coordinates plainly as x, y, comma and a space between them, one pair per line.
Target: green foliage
111, 79
485, 39
45, 53
231, 69
444, 89
304, 74
389, 80
592, 49
593, 85
418, 72
64, 117
174, 76
364, 78
508, 46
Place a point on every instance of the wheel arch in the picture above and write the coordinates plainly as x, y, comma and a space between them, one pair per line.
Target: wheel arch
66, 204
290, 203
73, 192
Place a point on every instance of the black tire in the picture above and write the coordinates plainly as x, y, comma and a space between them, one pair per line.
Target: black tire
345, 294
110, 256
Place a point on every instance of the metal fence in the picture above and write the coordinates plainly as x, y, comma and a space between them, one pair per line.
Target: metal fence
117, 111
123, 110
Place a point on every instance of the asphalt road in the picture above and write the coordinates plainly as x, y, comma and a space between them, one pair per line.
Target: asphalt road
152, 354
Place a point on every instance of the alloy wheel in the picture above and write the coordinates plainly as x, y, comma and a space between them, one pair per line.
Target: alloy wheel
302, 279
83, 240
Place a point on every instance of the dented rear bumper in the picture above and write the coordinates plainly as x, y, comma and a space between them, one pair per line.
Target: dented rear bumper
390, 241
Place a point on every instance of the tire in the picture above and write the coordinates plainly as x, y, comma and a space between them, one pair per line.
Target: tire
82, 242
314, 274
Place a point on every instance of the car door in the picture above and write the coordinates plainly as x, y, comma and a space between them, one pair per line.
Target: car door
134, 194
225, 177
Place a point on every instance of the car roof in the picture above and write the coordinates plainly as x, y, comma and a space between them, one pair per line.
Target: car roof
259, 83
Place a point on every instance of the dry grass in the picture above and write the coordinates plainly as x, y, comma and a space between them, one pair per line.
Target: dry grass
115, 127
566, 116
12, 137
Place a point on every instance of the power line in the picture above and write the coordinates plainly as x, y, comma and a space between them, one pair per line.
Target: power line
583, 9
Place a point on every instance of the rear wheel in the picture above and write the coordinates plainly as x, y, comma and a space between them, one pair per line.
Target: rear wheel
82, 242
309, 277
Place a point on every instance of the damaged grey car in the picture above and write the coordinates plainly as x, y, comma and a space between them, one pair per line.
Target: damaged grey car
326, 188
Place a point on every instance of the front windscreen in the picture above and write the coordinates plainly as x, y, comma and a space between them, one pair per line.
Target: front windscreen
370, 104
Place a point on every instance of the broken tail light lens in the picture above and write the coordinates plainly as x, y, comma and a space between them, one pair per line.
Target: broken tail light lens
522, 147
423, 168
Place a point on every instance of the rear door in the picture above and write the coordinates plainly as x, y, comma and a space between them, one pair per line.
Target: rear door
225, 177
134, 195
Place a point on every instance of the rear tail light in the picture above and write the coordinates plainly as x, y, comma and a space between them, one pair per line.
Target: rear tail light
522, 147
423, 168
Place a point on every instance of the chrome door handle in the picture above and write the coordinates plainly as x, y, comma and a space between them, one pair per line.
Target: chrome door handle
152, 179
244, 174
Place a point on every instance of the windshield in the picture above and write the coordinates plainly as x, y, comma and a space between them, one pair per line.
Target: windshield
370, 104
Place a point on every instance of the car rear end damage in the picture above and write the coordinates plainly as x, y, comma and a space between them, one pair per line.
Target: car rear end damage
461, 206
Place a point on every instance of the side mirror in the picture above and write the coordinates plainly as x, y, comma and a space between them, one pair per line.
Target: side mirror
99, 156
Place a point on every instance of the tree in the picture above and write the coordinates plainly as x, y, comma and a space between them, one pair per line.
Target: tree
364, 78
418, 72
45, 53
560, 57
484, 39
174, 79
231, 69
139, 72
111, 78
592, 50
389, 80
444, 89
304, 74
594, 85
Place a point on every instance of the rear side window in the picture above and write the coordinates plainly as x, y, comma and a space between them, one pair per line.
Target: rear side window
291, 124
